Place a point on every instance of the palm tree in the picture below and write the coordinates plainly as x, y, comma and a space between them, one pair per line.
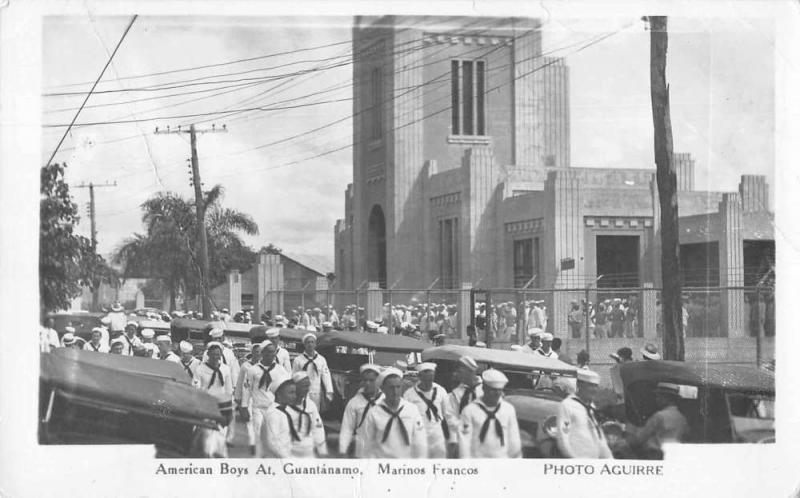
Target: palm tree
169, 249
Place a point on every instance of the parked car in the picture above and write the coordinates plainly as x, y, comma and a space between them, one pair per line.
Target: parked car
722, 403
82, 321
93, 398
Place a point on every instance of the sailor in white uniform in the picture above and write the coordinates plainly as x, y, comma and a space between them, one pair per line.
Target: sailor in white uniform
468, 390
241, 384
394, 428
212, 377
257, 395
578, 432
429, 398
132, 342
281, 354
148, 335
279, 434
351, 433
308, 421
96, 342
488, 426
315, 365
188, 361
545, 349
164, 343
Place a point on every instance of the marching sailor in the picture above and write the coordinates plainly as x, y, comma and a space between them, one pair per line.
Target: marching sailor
578, 433
147, 343
351, 434
212, 377
258, 379
228, 356
278, 435
281, 354
188, 361
546, 348
468, 390
242, 384
429, 398
315, 365
96, 342
394, 428
489, 426
164, 344
308, 422
132, 342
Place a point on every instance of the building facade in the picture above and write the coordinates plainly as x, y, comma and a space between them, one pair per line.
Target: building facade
462, 177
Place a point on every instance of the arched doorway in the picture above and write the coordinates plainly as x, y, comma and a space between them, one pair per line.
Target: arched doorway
376, 247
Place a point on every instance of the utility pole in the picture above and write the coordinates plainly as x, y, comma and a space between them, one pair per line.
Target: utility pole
667, 192
200, 209
92, 220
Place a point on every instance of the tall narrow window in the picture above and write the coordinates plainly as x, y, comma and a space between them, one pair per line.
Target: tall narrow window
468, 92
448, 253
523, 262
376, 89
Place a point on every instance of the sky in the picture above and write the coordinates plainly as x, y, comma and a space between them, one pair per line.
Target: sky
720, 71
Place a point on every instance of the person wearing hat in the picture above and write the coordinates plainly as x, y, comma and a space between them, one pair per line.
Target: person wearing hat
468, 390
578, 432
351, 441
165, 352
429, 398
68, 340
96, 342
256, 393
534, 340
623, 355
545, 349
228, 356
117, 346
238, 392
315, 365
149, 348
382, 330
187, 360
667, 425
394, 428
650, 352
308, 421
281, 354
132, 342
439, 339
212, 376
279, 433
333, 317
488, 426
48, 337
371, 327
115, 320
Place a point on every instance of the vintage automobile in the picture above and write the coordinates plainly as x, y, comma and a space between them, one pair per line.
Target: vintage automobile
345, 352
95, 398
82, 321
722, 403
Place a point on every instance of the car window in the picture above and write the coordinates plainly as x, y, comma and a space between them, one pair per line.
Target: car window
751, 406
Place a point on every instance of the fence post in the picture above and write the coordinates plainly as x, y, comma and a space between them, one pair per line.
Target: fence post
586, 318
758, 326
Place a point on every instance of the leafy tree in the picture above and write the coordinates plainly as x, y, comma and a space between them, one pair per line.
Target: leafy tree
271, 249
170, 251
67, 262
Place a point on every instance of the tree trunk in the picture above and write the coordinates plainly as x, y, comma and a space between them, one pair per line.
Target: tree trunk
667, 192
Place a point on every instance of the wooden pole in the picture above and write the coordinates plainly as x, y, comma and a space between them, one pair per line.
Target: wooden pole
673, 347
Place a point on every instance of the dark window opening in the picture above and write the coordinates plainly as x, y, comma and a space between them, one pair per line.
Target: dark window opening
448, 253
617, 261
468, 94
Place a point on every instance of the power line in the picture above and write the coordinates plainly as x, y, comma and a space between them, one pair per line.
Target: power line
93, 87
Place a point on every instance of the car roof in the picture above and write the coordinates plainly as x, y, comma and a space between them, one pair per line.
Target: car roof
722, 376
151, 391
502, 358
533, 408
231, 328
378, 342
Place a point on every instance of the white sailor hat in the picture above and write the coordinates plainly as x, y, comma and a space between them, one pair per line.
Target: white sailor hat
480, 344
494, 378
371, 325
148, 333
277, 382
468, 362
164, 338
534, 331
99, 330
369, 367
308, 336
265, 343
131, 323
118, 340
186, 347
588, 376
400, 365
69, 339
273, 333
216, 333
427, 365
69, 330
383, 330
298, 376
516, 347
547, 337
386, 373
213, 344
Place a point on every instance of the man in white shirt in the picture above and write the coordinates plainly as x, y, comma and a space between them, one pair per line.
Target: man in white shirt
351, 433
429, 398
131, 343
394, 428
238, 393
164, 344
546, 348
281, 354
95, 343
578, 433
308, 422
48, 337
468, 390
116, 321
212, 377
315, 365
188, 361
488, 426
258, 379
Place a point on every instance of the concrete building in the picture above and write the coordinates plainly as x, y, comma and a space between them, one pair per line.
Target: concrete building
462, 174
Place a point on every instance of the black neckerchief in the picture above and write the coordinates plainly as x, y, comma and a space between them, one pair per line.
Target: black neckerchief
95, 348
491, 415
186, 366
266, 378
310, 361
292, 430
469, 395
129, 341
301, 410
392, 417
214, 376
370, 403
432, 411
